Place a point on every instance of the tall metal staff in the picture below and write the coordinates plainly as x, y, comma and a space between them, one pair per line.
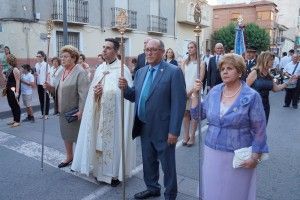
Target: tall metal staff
197, 31
49, 29
122, 23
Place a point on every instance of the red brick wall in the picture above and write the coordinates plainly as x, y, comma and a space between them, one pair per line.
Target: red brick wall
223, 16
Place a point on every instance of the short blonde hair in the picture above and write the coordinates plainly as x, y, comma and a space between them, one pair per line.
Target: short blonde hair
73, 51
236, 61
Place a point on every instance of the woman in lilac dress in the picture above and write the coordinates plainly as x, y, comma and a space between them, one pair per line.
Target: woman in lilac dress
236, 119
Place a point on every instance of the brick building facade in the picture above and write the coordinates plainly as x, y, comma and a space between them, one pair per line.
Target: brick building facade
263, 13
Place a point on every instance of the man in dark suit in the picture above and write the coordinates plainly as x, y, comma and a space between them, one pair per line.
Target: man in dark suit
160, 97
250, 59
213, 73
141, 59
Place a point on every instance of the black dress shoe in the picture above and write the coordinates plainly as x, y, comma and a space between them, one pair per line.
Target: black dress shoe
285, 106
146, 194
114, 182
295, 107
63, 164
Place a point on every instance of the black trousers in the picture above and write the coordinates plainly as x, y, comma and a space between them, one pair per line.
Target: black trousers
298, 89
291, 96
14, 105
41, 98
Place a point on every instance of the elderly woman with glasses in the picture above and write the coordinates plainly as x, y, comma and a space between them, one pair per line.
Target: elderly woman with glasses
70, 94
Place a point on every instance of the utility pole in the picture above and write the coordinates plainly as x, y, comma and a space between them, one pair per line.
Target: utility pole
65, 23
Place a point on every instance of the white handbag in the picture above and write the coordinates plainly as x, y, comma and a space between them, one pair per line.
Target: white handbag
240, 155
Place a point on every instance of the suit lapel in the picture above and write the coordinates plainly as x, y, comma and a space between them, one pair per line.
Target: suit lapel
157, 78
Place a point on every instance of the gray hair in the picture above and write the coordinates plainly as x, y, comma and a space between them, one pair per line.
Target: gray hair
161, 44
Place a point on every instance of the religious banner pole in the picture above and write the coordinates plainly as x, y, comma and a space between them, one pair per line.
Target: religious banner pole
122, 23
197, 31
49, 29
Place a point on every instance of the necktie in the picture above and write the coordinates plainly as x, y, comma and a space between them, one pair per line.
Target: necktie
217, 60
144, 96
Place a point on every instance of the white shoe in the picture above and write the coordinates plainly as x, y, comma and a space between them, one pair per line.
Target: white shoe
46, 117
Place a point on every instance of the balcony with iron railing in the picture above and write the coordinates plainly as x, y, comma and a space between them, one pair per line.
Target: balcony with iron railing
77, 11
157, 25
131, 18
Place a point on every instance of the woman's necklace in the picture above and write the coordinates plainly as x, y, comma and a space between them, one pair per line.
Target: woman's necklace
230, 96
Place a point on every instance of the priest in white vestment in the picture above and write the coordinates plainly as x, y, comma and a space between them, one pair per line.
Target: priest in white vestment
98, 148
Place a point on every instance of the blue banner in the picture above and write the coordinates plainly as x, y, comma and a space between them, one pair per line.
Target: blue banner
239, 42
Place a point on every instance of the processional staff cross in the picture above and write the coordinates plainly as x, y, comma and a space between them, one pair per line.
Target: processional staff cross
122, 21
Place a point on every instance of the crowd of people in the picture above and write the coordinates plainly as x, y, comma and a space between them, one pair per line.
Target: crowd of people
161, 95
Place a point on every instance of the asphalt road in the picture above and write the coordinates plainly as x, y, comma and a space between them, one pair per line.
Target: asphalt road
21, 176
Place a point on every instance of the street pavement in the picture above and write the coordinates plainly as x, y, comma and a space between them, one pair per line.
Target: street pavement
21, 176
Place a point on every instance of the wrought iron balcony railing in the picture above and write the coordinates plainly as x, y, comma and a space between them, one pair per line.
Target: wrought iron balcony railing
131, 18
157, 24
77, 11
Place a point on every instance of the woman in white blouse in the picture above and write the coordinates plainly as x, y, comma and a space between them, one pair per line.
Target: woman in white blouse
190, 75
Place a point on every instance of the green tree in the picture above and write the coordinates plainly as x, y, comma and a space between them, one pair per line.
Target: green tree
254, 36
257, 37
225, 35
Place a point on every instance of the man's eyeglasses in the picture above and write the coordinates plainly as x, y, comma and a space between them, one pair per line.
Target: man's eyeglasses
152, 50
